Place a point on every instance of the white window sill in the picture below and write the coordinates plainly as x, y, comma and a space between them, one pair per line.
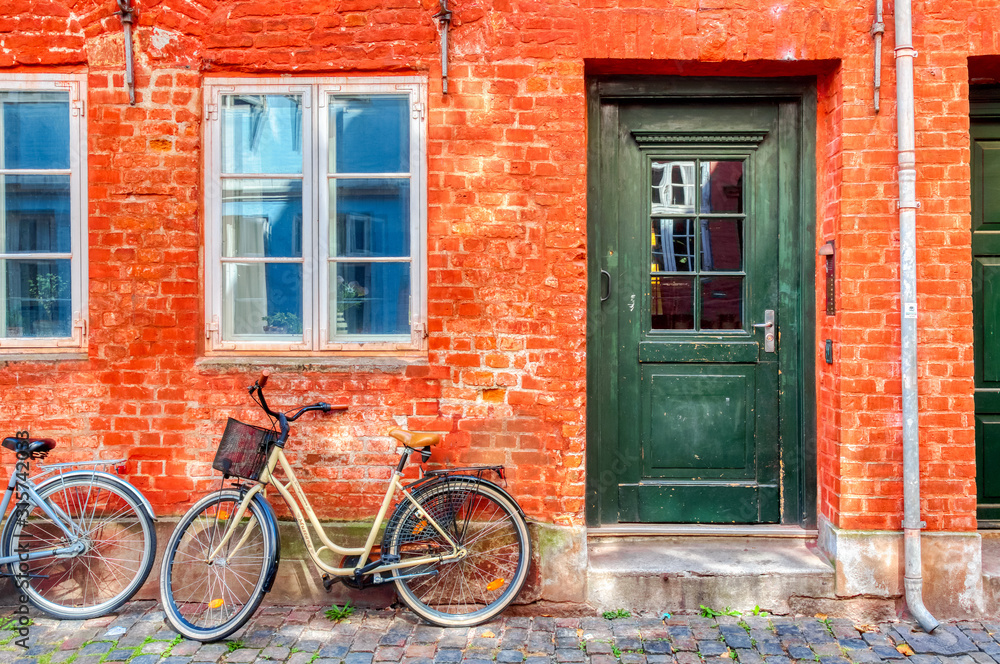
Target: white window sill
315, 362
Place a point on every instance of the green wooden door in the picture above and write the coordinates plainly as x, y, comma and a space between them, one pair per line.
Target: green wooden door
986, 312
697, 306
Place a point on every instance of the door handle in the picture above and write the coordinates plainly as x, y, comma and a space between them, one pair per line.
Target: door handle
768, 327
605, 273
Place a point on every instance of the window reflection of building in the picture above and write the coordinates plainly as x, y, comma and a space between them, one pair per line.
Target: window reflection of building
715, 242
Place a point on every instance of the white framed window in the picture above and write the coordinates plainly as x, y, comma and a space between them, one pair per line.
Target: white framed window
43, 213
316, 214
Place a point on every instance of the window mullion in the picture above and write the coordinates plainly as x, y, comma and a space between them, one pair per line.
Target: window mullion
310, 285
323, 248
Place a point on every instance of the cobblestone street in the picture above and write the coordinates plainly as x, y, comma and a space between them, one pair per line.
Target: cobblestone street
304, 635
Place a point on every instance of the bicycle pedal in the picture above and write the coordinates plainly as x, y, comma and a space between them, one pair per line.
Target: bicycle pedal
389, 559
328, 581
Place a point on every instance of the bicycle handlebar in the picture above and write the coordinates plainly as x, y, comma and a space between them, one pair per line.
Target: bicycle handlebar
284, 419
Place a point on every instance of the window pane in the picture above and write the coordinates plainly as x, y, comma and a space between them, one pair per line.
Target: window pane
370, 217
35, 129
261, 218
38, 298
722, 186
673, 187
263, 298
722, 244
370, 298
36, 214
722, 303
369, 134
672, 303
261, 134
673, 245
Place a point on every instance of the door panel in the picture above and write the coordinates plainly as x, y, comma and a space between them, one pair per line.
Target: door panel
699, 381
697, 219
985, 134
697, 420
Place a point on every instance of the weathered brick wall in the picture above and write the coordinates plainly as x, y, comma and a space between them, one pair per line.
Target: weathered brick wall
505, 373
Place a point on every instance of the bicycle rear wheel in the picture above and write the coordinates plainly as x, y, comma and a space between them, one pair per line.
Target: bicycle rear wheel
208, 599
119, 539
484, 520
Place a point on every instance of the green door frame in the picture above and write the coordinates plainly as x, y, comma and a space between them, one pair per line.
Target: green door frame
797, 267
984, 114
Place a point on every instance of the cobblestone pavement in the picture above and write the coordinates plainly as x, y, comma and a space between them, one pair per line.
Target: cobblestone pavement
304, 635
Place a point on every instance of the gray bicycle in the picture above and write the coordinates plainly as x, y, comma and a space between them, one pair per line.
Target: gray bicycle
80, 542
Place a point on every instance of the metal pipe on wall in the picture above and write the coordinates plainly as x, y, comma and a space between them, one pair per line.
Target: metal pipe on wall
913, 577
878, 29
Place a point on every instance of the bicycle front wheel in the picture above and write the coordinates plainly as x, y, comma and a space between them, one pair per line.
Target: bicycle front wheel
119, 546
208, 598
470, 590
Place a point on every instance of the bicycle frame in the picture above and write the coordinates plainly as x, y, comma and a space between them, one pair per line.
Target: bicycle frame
276, 458
61, 519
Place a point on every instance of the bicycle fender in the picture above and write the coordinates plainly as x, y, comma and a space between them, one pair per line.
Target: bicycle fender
271, 523
499, 489
479, 482
404, 504
108, 477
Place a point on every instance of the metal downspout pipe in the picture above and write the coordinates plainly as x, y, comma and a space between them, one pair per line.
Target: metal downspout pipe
913, 577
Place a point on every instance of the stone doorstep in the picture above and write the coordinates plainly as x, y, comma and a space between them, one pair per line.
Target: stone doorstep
682, 573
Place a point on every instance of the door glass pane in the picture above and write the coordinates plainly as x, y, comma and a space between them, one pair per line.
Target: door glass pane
261, 218
370, 217
35, 129
722, 245
673, 245
370, 298
261, 133
673, 187
38, 298
369, 134
672, 303
37, 215
722, 186
263, 298
721, 303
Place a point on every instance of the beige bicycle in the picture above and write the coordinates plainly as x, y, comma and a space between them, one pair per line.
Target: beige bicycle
456, 544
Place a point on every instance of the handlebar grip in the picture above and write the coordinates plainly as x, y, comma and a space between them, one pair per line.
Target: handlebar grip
262, 381
326, 408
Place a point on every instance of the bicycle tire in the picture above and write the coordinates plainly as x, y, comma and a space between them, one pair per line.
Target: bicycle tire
487, 522
120, 547
207, 601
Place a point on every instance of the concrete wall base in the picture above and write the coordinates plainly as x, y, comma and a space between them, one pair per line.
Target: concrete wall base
557, 575
870, 564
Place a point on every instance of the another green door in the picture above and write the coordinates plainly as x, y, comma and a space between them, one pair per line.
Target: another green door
698, 305
985, 132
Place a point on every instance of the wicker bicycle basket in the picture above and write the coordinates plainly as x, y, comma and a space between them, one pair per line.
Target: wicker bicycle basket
243, 450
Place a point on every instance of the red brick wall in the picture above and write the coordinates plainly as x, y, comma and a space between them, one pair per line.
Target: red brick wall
505, 374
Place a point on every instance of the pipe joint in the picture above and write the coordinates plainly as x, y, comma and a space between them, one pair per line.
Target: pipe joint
905, 51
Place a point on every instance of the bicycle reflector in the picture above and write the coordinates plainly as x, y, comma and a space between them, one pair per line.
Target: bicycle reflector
120, 469
215, 603
495, 584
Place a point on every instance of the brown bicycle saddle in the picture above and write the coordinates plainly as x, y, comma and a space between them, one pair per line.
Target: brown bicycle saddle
415, 439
